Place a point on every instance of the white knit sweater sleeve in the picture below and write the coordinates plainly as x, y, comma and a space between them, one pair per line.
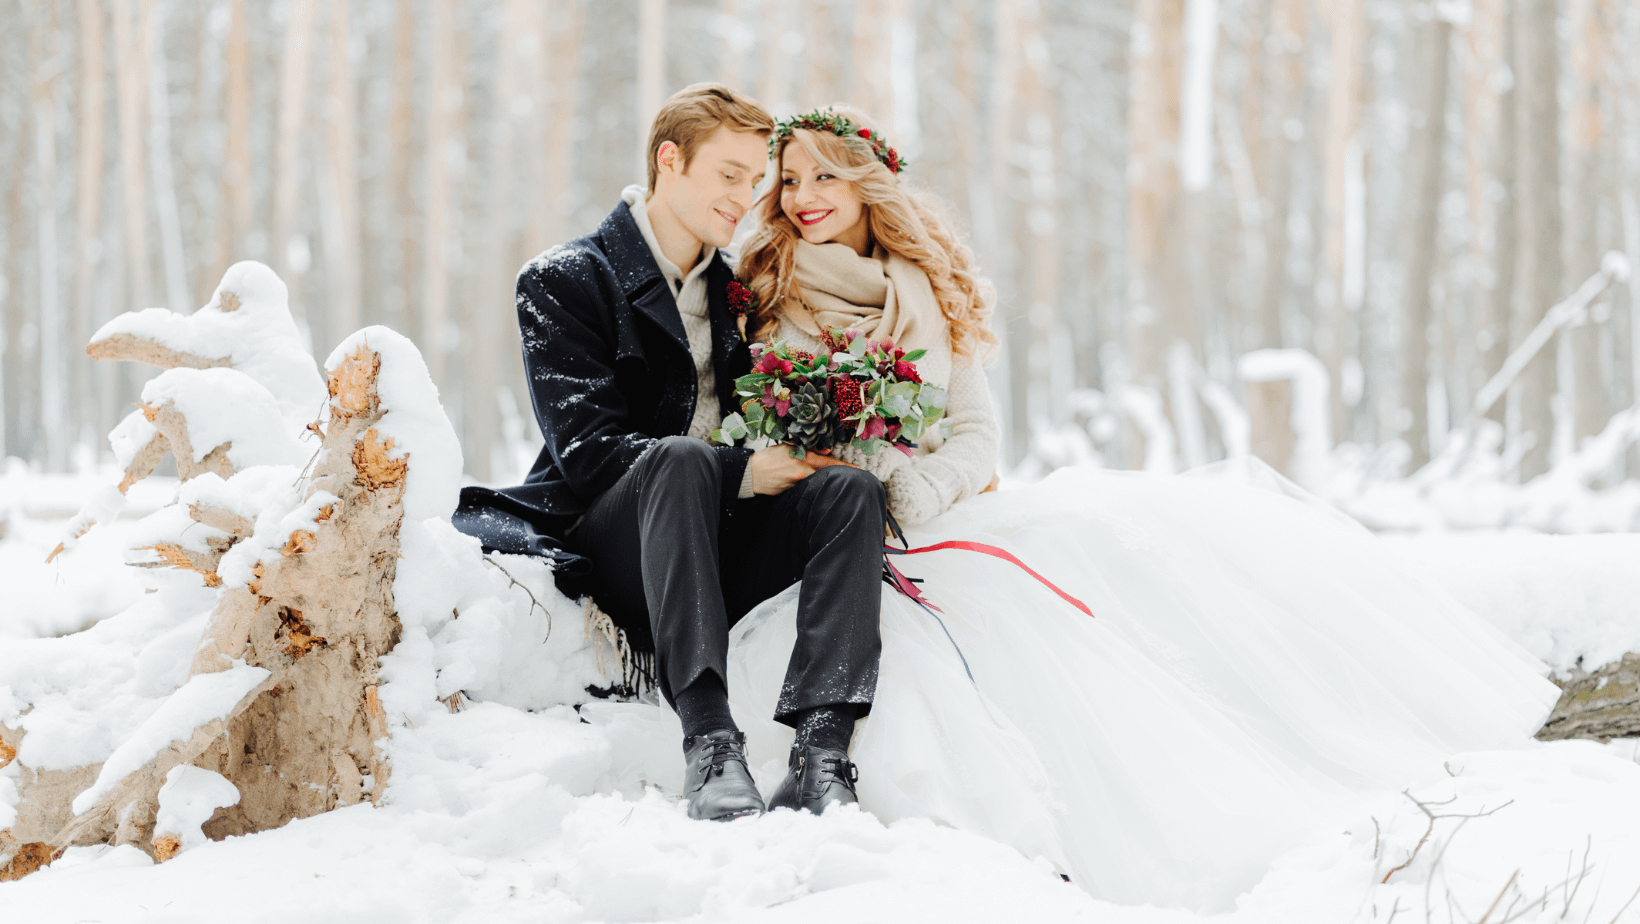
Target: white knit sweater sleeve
962, 466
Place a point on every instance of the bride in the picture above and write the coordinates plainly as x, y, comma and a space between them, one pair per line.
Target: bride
1252, 660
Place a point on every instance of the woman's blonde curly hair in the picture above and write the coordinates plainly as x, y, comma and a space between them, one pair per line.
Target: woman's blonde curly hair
904, 221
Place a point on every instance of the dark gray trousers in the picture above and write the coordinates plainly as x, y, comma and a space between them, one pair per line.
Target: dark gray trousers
675, 574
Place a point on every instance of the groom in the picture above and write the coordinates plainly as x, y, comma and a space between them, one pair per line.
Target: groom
631, 354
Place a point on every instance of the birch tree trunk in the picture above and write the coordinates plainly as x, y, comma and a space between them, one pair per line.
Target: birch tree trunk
732, 56
1000, 220
1343, 309
493, 315
160, 159
11, 313
46, 59
1488, 142
565, 25
1537, 188
1037, 346
1589, 55
1289, 28
651, 74
875, 22
1157, 316
964, 113
287, 145
131, 61
822, 66
775, 88
234, 212
401, 232
442, 149
88, 203
1425, 146
342, 228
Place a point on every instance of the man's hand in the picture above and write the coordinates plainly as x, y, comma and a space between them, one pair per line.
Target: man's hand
774, 470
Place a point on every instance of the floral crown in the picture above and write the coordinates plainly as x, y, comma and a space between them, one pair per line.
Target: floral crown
826, 120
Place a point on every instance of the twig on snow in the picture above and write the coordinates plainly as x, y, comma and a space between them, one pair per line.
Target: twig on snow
1501, 892
1435, 864
1571, 895
1425, 808
520, 585
1626, 905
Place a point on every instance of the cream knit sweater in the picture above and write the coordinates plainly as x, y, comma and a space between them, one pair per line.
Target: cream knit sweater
943, 471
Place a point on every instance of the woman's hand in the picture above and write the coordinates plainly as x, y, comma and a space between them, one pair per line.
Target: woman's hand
774, 470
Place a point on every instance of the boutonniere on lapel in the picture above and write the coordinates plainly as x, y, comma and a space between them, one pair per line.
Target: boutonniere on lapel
742, 302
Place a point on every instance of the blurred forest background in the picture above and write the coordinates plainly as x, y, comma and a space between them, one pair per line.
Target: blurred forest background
1326, 232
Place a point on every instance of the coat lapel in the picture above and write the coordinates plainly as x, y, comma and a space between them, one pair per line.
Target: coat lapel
730, 358
641, 280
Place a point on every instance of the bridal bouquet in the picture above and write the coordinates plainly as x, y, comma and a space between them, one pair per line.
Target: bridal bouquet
859, 392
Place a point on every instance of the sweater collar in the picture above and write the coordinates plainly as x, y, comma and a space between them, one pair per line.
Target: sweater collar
637, 201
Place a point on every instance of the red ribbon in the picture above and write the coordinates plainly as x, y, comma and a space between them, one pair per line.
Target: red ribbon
905, 586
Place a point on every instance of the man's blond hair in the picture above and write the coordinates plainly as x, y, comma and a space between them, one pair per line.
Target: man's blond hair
690, 116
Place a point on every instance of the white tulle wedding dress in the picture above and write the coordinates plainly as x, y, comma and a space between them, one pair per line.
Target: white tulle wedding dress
1254, 662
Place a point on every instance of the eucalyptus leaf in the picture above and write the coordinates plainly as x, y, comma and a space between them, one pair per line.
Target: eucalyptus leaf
734, 428
933, 396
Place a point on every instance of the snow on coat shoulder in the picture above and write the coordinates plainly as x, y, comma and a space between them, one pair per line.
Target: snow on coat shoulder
414, 420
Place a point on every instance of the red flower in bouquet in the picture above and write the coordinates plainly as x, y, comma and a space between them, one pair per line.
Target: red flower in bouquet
779, 405
770, 363
906, 372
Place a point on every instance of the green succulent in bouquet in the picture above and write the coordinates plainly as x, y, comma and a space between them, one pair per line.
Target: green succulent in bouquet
812, 420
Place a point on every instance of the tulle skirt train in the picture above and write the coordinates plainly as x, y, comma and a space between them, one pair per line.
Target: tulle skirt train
1254, 661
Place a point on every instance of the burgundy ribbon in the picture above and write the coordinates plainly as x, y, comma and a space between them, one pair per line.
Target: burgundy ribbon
908, 587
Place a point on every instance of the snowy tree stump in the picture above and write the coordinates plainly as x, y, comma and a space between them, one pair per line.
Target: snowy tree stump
317, 615
281, 698
1600, 705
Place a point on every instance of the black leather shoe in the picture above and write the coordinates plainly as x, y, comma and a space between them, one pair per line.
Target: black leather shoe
717, 782
819, 777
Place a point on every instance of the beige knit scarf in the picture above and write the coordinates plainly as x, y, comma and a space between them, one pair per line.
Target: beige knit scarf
880, 296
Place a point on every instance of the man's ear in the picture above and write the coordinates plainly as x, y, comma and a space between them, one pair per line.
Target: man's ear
666, 159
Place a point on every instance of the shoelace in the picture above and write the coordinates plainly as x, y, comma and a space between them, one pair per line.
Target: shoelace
843, 771
720, 753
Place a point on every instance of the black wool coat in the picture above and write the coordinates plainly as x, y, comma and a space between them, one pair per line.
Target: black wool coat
609, 373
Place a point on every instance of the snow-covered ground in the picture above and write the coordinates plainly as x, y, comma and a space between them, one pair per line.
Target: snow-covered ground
500, 814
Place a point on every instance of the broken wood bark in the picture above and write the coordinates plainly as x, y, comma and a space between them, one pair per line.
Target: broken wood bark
1600, 705
41, 812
